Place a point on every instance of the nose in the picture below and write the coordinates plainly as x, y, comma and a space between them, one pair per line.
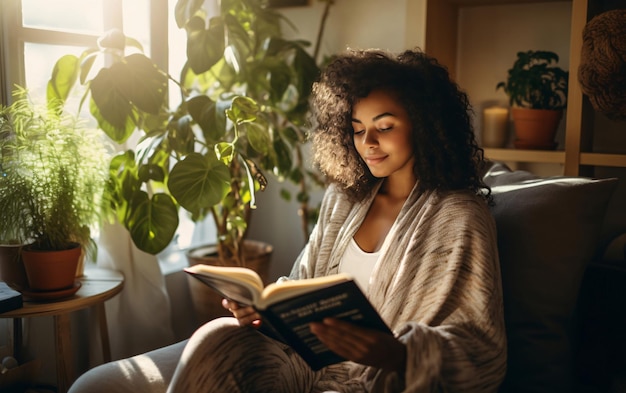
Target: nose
370, 138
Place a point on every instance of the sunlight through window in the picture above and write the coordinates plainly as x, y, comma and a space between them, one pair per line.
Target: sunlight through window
77, 16
51, 29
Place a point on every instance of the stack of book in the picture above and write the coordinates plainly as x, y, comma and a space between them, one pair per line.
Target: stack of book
10, 299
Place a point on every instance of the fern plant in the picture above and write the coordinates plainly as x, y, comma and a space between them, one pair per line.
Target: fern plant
53, 171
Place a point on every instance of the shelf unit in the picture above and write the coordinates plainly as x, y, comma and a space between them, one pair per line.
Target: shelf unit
577, 157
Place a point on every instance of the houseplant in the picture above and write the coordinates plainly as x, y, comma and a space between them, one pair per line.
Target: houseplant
53, 175
537, 91
241, 117
242, 114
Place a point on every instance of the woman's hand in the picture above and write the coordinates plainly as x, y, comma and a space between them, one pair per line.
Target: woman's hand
246, 315
361, 345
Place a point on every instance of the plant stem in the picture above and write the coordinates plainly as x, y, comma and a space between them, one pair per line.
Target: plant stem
320, 32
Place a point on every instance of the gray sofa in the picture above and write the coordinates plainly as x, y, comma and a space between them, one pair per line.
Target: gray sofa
548, 232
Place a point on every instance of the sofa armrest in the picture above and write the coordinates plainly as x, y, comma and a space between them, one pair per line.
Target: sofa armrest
548, 232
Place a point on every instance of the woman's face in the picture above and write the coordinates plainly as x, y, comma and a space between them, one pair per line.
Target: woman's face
382, 134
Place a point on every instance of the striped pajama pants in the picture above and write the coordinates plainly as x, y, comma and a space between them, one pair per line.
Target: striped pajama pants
220, 357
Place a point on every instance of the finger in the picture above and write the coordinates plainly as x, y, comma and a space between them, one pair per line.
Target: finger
249, 320
244, 312
345, 339
230, 305
350, 332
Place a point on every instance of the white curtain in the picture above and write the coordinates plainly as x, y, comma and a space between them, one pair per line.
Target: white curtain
139, 318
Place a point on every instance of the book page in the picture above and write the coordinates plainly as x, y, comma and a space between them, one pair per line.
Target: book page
276, 292
239, 284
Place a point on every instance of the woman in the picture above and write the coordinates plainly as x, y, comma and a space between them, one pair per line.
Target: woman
406, 213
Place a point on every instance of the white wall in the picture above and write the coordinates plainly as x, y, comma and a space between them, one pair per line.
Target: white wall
352, 24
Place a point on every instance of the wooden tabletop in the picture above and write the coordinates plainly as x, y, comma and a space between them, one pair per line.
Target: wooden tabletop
97, 286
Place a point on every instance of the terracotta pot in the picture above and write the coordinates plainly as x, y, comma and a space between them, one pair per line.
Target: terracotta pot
536, 128
206, 302
12, 268
80, 267
51, 270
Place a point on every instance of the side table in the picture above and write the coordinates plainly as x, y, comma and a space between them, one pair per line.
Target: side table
97, 286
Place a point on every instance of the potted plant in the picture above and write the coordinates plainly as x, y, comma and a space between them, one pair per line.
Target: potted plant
537, 91
53, 175
241, 117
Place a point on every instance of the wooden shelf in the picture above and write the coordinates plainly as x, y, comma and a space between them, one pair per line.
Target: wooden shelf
441, 39
554, 157
539, 156
469, 3
601, 159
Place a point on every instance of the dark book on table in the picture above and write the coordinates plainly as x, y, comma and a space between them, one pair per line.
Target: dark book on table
10, 299
288, 307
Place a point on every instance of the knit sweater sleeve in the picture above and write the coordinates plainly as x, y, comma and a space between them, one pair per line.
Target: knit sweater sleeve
447, 302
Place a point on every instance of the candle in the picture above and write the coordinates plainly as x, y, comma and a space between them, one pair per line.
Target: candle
495, 126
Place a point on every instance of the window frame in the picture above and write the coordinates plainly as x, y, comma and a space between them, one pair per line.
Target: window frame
14, 36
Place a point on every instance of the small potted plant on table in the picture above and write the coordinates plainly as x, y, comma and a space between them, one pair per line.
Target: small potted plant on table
51, 188
537, 91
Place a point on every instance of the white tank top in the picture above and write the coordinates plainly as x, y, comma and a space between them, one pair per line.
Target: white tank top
359, 264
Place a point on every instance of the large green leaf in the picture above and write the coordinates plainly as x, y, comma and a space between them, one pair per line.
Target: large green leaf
141, 82
117, 132
149, 172
64, 76
115, 91
123, 169
88, 58
239, 37
185, 9
203, 111
205, 47
111, 102
153, 222
180, 135
199, 181
259, 137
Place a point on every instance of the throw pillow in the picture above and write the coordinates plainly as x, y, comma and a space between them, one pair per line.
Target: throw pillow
547, 234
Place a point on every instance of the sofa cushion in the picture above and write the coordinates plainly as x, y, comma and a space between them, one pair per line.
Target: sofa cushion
548, 230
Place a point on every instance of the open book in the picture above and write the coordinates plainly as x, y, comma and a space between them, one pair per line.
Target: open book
288, 307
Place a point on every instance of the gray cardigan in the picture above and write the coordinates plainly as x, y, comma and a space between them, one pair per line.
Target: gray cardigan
436, 284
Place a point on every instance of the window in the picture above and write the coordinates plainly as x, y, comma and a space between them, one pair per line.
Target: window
35, 33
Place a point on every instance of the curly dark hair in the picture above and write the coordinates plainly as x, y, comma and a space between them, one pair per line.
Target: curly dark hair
447, 156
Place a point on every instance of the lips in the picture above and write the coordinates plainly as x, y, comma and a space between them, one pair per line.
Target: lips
373, 160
